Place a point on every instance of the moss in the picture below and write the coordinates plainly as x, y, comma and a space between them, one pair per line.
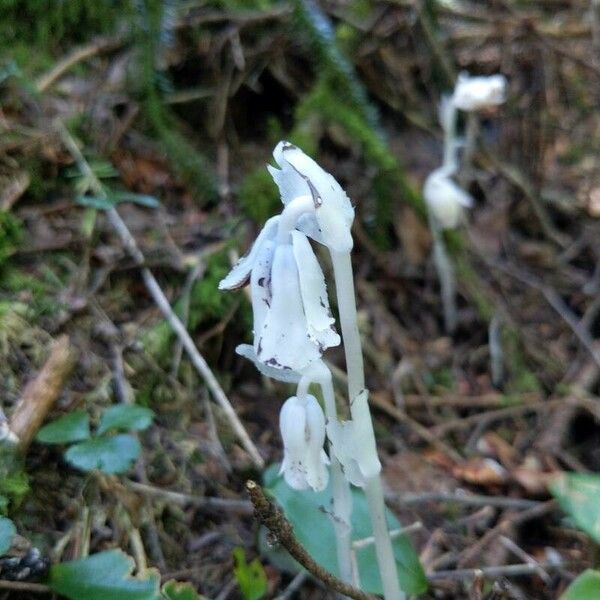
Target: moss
391, 182
187, 161
35, 33
14, 483
521, 378
206, 305
333, 65
471, 285
11, 233
258, 195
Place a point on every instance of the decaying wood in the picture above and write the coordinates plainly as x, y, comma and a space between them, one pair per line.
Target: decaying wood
40, 394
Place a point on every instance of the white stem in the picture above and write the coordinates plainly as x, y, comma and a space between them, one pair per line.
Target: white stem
359, 408
340, 488
450, 142
290, 215
445, 272
471, 133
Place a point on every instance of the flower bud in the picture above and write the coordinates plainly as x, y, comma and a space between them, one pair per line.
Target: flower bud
302, 426
476, 93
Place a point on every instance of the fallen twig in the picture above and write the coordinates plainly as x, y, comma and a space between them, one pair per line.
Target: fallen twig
273, 519
163, 303
78, 55
506, 570
222, 504
40, 394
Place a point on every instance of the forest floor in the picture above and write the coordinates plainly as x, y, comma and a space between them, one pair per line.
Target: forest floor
183, 111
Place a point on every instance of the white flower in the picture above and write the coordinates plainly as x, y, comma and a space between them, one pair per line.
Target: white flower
299, 175
293, 324
445, 199
476, 93
348, 440
302, 426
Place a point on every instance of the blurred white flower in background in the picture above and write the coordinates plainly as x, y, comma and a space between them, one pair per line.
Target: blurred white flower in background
479, 92
446, 200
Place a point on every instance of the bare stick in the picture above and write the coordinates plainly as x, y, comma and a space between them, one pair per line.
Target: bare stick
221, 504
40, 394
78, 55
23, 586
163, 303
272, 518
506, 570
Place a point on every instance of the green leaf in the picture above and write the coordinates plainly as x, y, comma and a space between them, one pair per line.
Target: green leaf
103, 576
7, 533
73, 427
126, 417
307, 512
578, 494
173, 590
251, 578
3, 504
585, 587
114, 454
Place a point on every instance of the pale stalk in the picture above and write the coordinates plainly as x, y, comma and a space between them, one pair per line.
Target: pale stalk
450, 142
340, 488
359, 408
471, 133
445, 272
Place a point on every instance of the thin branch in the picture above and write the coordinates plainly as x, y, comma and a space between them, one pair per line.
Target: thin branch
78, 55
24, 586
464, 498
222, 504
163, 303
506, 570
40, 394
273, 519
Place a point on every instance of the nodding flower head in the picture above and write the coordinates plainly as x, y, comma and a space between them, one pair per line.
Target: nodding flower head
302, 426
293, 324
477, 93
299, 175
445, 199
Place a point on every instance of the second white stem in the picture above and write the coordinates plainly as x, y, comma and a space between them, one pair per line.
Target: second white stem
359, 408
340, 488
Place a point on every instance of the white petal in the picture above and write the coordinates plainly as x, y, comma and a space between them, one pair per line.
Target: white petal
292, 425
308, 225
285, 375
260, 283
314, 294
348, 438
368, 462
341, 435
475, 93
283, 341
290, 183
334, 211
302, 426
445, 199
239, 274
316, 460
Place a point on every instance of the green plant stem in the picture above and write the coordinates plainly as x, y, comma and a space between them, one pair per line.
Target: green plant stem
359, 408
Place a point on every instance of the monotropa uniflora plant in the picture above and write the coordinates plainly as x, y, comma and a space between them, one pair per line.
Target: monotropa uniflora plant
446, 199
293, 326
